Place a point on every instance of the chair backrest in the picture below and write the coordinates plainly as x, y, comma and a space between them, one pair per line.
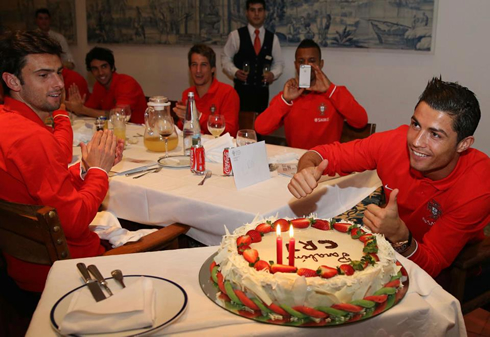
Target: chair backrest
246, 120
349, 133
32, 233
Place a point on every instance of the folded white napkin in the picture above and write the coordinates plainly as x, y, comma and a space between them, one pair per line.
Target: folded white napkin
132, 307
284, 158
213, 148
107, 227
83, 130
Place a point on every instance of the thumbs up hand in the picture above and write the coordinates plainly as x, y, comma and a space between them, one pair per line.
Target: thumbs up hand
306, 180
386, 220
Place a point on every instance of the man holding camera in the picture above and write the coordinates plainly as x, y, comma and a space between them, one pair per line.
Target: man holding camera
315, 115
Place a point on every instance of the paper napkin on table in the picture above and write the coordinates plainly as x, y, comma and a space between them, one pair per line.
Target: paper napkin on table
83, 130
132, 307
284, 158
107, 227
213, 148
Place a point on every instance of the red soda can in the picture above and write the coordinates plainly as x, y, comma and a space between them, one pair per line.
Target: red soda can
198, 160
227, 169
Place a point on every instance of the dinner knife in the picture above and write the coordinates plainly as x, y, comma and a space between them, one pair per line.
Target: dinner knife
95, 271
92, 284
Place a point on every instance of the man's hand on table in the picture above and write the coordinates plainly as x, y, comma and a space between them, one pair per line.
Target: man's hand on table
306, 179
100, 151
386, 220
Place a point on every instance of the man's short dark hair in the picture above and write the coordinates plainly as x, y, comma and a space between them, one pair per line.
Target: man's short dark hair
457, 101
101, 54
253, 2
205, 51
15, 46
308, 43
42, 11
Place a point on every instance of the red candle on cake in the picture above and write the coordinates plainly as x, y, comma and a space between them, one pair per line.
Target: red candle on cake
279, 245
291, 246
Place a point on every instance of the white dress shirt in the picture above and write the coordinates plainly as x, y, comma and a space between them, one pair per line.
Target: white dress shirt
66, 56
233, 46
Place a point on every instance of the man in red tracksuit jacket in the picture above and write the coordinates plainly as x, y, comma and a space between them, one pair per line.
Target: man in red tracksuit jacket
312, 116
34, 157
437, 187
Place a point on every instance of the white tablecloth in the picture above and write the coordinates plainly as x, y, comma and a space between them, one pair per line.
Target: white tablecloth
426, 310
172, 195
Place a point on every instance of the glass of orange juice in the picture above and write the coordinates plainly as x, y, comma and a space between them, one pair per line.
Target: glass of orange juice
118, 120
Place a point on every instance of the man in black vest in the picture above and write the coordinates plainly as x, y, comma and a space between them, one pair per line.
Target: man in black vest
252, 56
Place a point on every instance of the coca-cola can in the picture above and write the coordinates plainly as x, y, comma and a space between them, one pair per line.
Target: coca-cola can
198, 160
227, 169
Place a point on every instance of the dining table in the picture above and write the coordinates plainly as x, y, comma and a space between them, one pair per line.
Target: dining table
173, 194
426, 309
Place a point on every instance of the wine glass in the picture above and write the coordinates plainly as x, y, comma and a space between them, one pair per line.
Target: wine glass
245, 137
126, 110
216, 124
266, 69
246, 70
165, 127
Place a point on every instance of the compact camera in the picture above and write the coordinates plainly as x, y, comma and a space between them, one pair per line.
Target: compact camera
304, 76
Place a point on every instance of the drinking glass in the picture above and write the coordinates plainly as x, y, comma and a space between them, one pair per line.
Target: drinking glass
245, 137
266, 69
118, 121
165, 127
126, 109
216, 124
246, 69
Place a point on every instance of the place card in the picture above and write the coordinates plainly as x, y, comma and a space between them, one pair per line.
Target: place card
250, 165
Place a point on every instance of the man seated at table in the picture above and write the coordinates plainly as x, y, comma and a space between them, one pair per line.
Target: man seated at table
436, 186
211, 96
34, 157
111, 89
71, 77
315, 115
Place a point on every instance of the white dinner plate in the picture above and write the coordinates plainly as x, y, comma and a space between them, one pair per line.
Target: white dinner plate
175, 161
168, 292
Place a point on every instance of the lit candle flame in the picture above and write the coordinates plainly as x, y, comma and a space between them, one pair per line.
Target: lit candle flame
278, 230
291, 232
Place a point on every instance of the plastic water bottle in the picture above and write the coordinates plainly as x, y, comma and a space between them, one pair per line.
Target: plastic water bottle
192, 128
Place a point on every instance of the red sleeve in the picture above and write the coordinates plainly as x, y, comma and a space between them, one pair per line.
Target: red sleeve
230, 107
94, 100
51, 183
272, 117
63, 133
450, 233
347, 106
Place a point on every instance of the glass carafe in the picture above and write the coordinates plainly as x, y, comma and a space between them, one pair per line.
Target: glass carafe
158, 110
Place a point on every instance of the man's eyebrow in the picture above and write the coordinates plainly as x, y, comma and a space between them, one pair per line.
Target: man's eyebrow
431, 128
49, 70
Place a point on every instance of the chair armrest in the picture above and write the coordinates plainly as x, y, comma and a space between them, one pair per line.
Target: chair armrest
474, 254
152, 241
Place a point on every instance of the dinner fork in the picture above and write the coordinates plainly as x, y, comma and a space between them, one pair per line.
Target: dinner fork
155, 170
208, 174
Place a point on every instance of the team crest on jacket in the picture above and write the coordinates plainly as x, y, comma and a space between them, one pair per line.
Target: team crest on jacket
433, 213
322, 108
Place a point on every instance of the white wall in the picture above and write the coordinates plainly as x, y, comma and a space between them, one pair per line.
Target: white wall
386, 83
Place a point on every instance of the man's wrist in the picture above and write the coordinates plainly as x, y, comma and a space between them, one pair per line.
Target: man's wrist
403, 245
286, 101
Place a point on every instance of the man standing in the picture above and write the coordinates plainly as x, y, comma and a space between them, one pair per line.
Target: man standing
437, 187
110, 90
314, 115
34, 158
252, 57
43, 21
211, 96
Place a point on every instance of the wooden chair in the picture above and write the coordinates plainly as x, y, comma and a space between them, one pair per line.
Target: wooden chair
468, 277
34, 234
350, 133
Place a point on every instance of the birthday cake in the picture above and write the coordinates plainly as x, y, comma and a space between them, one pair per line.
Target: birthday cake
340, 271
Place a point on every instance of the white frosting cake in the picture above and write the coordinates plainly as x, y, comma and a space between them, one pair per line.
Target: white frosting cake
314, 248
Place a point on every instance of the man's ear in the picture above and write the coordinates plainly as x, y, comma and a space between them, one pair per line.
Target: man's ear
12, 81
465, 144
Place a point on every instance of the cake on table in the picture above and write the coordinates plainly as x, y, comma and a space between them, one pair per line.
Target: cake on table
341, 271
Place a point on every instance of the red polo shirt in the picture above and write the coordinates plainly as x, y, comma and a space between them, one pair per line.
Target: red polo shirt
123, 90
226, 101
313, 118
34, 170
442, 215
72, 77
